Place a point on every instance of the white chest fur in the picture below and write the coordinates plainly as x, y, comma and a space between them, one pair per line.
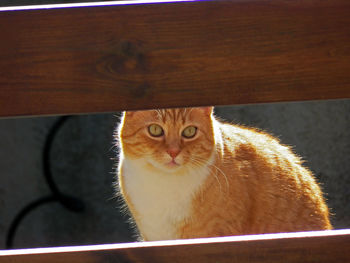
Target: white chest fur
161, 200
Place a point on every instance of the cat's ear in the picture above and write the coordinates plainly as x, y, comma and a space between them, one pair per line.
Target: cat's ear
207, 110
128, 113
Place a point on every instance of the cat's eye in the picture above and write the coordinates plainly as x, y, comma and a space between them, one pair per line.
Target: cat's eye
189, 132
155, 130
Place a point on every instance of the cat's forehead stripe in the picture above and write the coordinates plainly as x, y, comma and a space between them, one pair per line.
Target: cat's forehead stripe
174, 115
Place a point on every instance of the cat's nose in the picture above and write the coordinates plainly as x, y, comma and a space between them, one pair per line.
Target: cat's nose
173, 152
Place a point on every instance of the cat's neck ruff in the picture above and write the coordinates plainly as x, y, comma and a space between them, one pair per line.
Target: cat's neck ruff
162, 200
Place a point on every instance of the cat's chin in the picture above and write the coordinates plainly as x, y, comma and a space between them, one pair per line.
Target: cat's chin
164, 166
173, 165
170, 167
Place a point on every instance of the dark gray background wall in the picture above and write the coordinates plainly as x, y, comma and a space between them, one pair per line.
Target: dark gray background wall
82, 166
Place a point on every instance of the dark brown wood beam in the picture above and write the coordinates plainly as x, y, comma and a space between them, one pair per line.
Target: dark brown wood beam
307, 247
108, 58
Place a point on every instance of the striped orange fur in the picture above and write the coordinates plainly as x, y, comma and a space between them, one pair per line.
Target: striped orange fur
223, 180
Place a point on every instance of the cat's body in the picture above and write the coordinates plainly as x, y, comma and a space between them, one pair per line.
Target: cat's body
184, 174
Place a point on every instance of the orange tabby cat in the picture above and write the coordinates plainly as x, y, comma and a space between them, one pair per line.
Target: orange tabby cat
184, 174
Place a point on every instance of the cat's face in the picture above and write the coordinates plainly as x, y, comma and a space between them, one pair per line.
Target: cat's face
169, 140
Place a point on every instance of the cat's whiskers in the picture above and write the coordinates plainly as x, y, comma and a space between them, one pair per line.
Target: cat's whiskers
217, 169
202, 162
199, 164
224, 175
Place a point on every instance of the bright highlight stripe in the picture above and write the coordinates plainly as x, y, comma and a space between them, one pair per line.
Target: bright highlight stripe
247, 238
92, 4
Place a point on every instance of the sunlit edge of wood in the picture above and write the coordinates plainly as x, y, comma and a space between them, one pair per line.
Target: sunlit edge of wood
116, 111
247, 238
92, 4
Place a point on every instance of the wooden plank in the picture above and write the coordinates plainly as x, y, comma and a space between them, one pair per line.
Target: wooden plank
304, 247
116, 57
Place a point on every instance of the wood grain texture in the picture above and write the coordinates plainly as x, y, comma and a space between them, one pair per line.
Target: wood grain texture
110, 58
307, 247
